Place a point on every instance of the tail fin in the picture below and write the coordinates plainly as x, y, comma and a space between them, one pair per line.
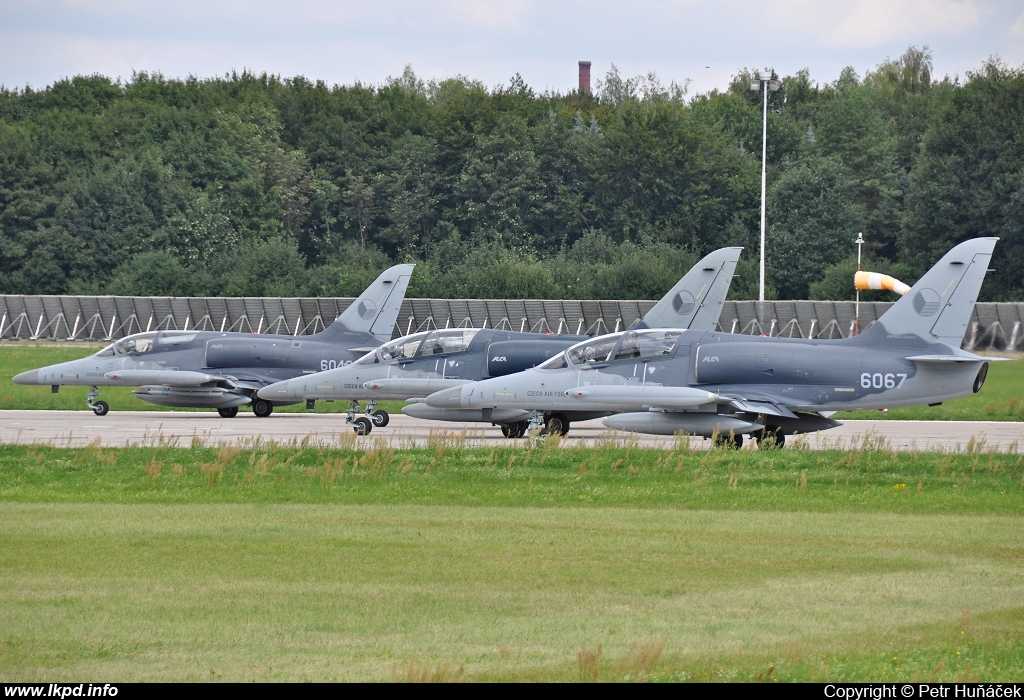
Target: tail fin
696, 300
938, 307
376, 309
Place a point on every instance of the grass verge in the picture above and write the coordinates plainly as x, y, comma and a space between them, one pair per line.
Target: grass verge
447, 563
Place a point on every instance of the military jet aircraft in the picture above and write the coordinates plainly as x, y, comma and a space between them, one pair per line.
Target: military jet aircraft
209, 369
417, 365
721, 385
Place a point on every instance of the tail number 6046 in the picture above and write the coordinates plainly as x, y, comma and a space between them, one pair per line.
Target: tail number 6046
881, 381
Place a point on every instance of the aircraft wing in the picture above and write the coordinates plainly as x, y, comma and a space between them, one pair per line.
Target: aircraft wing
768, 407
674, 398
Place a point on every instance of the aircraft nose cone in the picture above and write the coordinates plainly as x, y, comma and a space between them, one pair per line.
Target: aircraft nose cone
27, 378
446, 398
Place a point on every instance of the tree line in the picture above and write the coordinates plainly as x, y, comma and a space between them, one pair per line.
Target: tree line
252, 185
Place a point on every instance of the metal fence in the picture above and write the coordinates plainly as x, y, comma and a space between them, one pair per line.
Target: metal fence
993, 325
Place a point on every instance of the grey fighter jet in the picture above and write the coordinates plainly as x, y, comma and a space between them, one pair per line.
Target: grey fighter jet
420, 364
721, 385
209, 369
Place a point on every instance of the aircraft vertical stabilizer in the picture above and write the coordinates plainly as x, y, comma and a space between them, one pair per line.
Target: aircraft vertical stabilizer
696, 300
376, 310
938, 307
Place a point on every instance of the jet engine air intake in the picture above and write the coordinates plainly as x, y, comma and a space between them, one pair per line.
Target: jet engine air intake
511, 356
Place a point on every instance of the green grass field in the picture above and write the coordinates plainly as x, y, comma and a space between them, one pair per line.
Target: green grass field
1002, 398
543, 563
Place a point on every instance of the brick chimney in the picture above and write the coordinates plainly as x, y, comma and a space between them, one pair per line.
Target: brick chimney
585, 77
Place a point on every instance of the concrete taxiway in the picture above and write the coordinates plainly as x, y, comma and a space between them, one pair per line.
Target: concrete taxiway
79, 428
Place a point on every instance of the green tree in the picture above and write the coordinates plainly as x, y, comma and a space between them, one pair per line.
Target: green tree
812, 225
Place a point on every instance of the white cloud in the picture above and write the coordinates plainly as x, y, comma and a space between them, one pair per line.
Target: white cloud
490, 14
1017, 28
860, 23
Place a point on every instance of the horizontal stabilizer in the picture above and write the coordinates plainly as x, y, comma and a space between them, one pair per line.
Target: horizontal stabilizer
953, 358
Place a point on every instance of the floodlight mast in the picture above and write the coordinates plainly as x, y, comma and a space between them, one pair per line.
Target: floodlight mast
856, 314
764, 79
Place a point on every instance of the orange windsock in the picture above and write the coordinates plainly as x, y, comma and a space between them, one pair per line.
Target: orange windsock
875, 280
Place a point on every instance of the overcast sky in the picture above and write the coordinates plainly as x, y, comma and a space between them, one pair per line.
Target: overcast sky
344, 41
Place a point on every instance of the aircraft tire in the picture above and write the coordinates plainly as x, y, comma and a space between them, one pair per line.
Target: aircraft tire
100, 408
769, 438
362, 425
380, 418
557, 423
228, 412
511, 430
524, 428
262, 408
733, 441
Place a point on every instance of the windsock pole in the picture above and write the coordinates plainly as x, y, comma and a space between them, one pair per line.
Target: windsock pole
856, 313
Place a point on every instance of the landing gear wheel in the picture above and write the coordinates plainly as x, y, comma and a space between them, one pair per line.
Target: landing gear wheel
100, 408
262, 408
524, 428
557, 423
380, 418
228, 412
511, 430
732, 441
362, 425
769, 438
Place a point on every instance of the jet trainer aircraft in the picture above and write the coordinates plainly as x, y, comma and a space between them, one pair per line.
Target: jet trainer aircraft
210, 369
722, 385
417, 365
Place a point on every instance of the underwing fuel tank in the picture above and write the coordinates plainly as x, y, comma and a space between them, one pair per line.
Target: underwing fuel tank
666, 396
138, 377
469, 415
404, 387
198, 398
660, 423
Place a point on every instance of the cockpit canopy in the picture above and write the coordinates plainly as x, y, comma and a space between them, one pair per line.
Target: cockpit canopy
141, 343
627, 345
422, 344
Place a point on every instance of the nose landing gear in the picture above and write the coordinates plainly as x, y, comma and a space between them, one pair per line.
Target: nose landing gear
100, 408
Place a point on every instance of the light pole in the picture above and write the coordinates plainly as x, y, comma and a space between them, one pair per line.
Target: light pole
856, 313
769, 86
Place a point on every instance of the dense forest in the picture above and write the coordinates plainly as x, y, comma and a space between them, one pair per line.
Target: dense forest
251, 185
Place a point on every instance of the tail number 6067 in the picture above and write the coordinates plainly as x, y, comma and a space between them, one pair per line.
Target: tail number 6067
881, 381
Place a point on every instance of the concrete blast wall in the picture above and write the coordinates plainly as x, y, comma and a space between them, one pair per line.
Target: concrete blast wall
994, 326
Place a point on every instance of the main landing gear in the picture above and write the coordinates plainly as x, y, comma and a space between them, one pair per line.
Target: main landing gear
228, 412
556, 423
100, 408
365, 423
769, 438
515, 430
549, 424
261, 408
731, 441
